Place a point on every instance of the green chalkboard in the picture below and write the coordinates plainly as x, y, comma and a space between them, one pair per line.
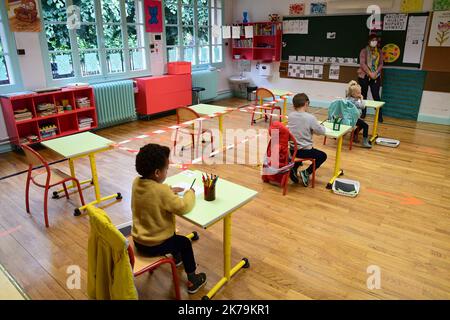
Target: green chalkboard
351, 36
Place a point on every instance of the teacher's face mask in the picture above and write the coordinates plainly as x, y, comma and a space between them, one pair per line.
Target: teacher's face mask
373, 43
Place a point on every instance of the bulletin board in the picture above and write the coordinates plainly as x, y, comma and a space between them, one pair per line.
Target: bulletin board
351, 36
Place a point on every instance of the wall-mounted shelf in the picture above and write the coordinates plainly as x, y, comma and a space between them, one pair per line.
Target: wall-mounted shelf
264, 46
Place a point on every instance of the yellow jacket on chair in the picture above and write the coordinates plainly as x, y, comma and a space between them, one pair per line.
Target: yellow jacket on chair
110, 276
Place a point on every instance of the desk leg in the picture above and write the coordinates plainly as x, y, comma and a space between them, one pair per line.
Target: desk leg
337, 164
375, 126
73, 185
227, 270
95, 177
284, 120
220, 131
98, 197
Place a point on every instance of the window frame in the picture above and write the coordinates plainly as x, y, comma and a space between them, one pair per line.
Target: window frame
196, 26
10, 54
101, 49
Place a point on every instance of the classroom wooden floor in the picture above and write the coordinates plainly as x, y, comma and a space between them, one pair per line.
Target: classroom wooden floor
309, 244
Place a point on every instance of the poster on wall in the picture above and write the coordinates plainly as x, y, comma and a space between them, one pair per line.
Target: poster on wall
391, 52
153, 16
395, 22
318, 8
334, 72
440, 29
23, 15
441, 5
296, 9
414, 39
411, 6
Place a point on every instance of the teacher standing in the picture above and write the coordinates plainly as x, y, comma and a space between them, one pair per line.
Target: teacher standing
369, 72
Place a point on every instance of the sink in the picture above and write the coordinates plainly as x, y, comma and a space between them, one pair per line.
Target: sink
238, 79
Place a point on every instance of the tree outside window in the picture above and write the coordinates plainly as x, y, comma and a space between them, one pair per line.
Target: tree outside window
188, 25
109, 39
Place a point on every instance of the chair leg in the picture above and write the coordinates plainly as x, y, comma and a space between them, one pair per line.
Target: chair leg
176, 281
324, 140
80, 192
193, 140
27, 192
65, 190
175, 142
45, 206
284, 183
212, 142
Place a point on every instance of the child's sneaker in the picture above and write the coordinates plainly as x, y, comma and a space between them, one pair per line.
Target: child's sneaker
305, 177
293, 175
196, 282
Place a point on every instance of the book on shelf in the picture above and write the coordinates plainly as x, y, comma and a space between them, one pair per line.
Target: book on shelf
22, 114
83, 102
85, 123
247, 43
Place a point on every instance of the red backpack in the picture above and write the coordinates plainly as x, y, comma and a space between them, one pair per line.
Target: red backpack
278, 160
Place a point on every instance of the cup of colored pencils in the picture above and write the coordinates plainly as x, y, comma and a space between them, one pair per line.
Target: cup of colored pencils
209, 185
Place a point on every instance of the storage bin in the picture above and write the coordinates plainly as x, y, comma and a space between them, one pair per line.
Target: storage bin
180, 67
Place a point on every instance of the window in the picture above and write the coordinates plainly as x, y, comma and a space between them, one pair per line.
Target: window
189, 36
9, 69
4, 76
108, 40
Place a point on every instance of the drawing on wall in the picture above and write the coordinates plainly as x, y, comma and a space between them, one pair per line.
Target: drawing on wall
440, 29
318, 8
296, 9
441, 5
153, 16
391, 52
411, 6
23, 16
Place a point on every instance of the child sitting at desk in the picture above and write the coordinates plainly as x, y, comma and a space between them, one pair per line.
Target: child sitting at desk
354, 95
154, 206
302, 126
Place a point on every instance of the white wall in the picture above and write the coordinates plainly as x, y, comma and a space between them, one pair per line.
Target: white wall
433, 104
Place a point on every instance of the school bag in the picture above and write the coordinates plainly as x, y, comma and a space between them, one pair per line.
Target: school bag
277, 160
344, 109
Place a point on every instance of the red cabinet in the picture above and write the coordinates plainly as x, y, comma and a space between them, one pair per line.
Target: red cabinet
163, 93
35, 117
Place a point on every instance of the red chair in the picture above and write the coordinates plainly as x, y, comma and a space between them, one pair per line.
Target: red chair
46, 178
351, 139
285, 154
142, 264
261, 95
301, 160
185, 114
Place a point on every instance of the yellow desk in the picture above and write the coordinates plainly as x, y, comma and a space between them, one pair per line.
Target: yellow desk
78, 146
377, 105
229, 198
339, 135
210, 110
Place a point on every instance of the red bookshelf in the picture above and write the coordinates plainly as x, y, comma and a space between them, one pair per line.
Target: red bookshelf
265, 44
35, 117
